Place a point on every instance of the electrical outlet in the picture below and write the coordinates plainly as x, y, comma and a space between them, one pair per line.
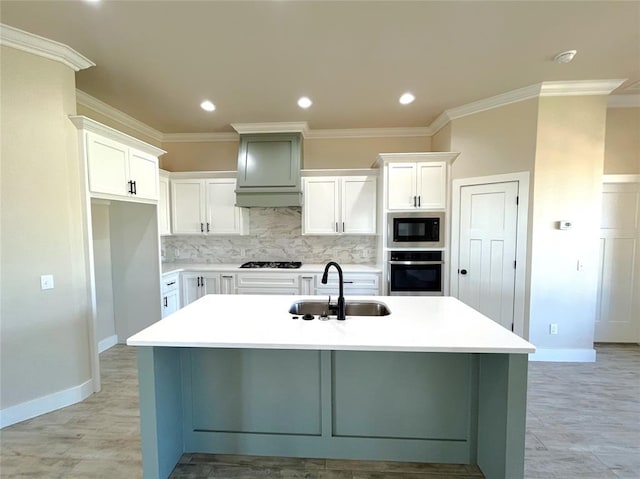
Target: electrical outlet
46, 281
553, 328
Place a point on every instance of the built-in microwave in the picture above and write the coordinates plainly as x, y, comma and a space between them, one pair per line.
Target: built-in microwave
415, 230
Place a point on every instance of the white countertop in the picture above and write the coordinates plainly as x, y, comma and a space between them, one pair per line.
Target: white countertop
428, 324
304, 269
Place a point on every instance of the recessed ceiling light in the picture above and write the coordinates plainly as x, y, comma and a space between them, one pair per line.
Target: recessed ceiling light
407, 98
304, 102
207, 106
565, 57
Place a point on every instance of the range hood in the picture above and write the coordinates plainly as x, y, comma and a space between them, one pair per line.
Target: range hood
269, 163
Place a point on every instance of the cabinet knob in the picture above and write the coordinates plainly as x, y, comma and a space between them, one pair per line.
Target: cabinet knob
463, 271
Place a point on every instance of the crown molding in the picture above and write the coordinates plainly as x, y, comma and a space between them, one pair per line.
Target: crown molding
114, 114
272, 127
579, 88
43, 47
623, 101
198, 137
369, 133
89, 124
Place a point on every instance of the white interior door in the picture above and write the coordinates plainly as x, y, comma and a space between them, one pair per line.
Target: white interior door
618, 310
487, 249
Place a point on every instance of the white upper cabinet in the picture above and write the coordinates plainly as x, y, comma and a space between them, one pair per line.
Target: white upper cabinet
164, 216
336, 205
118, 166
419, 185
206, 206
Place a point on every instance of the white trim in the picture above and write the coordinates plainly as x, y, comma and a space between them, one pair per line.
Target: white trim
514, 96
623, 101
370, 133
548, 88
42, 405
579, 87
114, 114
446, 156
564, 355
107, 343
519, 299
202, 174
198, 137
85, 123
621, 178
272, 127
43, 47
340, 172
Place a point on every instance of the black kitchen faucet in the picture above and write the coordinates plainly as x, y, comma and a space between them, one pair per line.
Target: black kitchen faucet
341, 305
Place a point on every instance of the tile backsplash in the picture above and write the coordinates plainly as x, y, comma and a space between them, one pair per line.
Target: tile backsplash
275, 234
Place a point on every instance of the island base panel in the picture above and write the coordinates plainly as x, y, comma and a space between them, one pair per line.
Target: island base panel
445, 407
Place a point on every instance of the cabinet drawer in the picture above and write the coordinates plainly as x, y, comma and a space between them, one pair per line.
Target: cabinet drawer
351, 280
267, 280
169, 282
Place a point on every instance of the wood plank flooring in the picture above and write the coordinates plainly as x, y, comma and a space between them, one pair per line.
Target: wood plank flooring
583, 422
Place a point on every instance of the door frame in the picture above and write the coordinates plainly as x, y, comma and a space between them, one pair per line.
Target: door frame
520, 293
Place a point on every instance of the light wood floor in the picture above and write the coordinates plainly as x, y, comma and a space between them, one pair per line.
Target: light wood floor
583, 422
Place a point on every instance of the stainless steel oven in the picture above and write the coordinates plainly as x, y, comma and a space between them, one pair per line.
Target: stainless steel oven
415, 273
415, 230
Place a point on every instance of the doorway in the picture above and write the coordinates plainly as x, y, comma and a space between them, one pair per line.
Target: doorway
488, 246
618, 306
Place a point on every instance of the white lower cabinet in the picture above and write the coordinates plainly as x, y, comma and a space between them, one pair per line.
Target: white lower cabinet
195, 285
170, 293
355, 284
267, 283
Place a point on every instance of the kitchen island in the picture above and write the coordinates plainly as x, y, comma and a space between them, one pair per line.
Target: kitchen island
434, 381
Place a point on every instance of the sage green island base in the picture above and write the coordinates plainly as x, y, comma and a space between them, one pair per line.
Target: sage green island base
445, 407
433, 381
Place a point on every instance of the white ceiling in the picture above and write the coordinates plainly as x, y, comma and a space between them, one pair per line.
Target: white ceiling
156, 61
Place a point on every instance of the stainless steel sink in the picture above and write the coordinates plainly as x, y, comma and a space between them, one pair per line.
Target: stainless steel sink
353, 308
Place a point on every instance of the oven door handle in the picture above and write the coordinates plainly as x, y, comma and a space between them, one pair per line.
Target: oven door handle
410, 263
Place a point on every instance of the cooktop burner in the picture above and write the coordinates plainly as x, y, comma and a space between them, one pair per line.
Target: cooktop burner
272, 264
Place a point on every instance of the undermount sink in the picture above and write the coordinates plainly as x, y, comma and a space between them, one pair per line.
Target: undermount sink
353, 308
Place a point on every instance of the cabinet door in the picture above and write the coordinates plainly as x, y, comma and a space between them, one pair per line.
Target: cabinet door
431, 186
223, 216
320, 210
358, 205
307, 285
211, 283
143, 171
164, 218
107, 163
227, 283
401, 190
170, 303
187, 207
191, 289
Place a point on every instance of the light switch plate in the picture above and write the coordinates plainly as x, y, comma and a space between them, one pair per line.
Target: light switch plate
46, 281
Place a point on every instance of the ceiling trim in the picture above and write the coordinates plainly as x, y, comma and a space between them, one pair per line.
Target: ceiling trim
369, 132
198, 137
43, 47
623, 101
272, 127
114, 114
544, 89
579, 87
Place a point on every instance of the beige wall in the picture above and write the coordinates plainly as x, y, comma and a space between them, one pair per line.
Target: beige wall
567, 186
44, 338
441, 141
202, 156
357, 152
497, 141
317, 153
622, 141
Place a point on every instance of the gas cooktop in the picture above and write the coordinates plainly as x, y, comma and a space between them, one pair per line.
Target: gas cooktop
272, 264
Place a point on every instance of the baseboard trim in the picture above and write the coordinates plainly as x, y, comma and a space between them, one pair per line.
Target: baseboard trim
107, 343
564, 355
36, 407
